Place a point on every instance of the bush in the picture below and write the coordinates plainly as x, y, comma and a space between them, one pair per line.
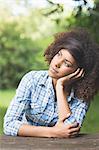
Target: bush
17, 54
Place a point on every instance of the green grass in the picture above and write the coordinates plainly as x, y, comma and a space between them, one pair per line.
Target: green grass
5, 98
91, 123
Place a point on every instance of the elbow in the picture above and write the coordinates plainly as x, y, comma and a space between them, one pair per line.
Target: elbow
71, 120
8, 129
11, 127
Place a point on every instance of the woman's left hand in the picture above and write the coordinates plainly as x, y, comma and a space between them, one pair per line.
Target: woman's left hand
79, 73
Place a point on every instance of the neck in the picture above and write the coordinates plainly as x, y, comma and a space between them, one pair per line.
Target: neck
54, 82
66, 88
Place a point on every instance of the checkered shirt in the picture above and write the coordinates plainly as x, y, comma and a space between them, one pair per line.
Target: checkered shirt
34, 103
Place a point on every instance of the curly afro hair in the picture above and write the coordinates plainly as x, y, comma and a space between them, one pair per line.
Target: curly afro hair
86, 53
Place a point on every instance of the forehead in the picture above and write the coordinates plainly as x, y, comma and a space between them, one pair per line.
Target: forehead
67, 55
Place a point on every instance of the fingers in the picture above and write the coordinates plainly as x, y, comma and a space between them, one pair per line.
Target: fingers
79, 73
70, 130
74, 127
73, 132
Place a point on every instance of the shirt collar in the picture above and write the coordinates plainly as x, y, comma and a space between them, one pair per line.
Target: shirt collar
46, 78
71, 95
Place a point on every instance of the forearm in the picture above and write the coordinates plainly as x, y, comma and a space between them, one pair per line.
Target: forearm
60, 130
35, 131
63, 106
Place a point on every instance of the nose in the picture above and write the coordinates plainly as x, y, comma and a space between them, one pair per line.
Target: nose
58, 64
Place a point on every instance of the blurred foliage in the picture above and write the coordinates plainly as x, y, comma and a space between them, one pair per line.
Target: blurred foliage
88, 19
24, 37
17, 54
82, 15
19, 51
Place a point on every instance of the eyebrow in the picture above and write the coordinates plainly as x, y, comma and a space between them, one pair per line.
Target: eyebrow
68, 61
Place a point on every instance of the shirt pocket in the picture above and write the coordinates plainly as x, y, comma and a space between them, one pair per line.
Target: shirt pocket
35, 115
35, 109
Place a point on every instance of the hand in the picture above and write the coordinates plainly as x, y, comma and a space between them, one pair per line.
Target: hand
66, 131
79, 73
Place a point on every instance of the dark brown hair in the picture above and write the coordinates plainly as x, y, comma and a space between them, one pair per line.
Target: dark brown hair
86, 53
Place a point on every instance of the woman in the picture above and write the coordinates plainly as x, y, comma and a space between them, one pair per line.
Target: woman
54, 103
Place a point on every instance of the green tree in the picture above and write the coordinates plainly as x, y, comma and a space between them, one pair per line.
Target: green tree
17, 54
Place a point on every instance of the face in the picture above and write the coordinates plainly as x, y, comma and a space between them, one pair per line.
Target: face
62, 64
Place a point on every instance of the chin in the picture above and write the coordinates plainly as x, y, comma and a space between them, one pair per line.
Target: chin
52, 75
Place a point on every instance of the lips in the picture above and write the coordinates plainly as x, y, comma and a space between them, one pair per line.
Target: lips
54, 70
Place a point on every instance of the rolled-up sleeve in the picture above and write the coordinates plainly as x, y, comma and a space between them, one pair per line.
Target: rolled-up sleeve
15, 112
78, 113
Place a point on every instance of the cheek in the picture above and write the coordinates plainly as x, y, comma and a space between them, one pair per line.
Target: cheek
67, 71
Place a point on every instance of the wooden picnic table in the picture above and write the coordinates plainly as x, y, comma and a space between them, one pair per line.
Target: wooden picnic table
82, 142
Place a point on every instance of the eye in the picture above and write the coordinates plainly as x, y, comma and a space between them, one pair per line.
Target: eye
67, 64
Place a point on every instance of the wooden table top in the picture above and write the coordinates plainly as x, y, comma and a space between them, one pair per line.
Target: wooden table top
82, 142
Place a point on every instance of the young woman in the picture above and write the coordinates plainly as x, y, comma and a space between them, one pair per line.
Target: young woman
54, 103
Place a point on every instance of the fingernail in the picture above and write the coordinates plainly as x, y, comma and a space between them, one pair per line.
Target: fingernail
68, 115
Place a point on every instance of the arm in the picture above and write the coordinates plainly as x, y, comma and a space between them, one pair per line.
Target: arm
63, 107
16, 110
13, 123
41, 131
79, 111
35, 131
74, 117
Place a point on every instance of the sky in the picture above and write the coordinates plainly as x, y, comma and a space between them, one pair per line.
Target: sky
17, 9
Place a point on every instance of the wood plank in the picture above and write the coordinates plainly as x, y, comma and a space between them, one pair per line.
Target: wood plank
82, 142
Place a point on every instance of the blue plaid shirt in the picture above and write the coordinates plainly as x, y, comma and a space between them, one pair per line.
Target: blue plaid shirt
34, 104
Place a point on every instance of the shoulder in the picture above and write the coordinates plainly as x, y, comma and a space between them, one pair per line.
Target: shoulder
32, 78
35, 75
